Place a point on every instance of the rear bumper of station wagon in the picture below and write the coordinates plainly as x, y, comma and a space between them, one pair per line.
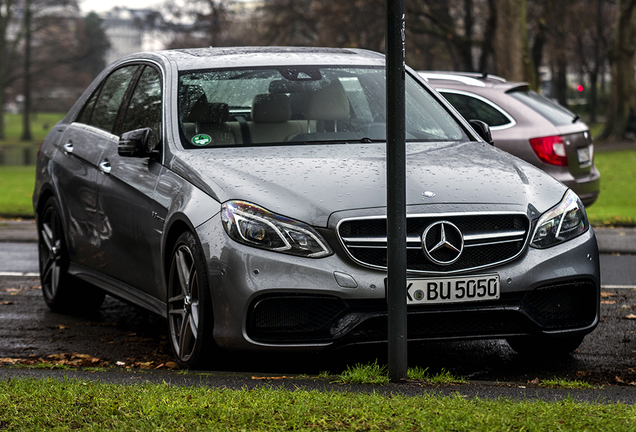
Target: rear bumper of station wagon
587, 188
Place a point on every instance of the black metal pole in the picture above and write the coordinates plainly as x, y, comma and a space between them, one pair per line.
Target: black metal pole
396, 189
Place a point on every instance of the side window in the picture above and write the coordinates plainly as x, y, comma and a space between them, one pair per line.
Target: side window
474, 109
144, 108
87, 109
110, 97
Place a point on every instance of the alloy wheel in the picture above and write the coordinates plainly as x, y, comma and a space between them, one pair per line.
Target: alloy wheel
183, 303
50, 252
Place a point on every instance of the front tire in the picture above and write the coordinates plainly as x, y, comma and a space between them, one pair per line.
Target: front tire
190, 318
62, 291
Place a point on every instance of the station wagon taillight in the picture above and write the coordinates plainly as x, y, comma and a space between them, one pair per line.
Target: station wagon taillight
550, 149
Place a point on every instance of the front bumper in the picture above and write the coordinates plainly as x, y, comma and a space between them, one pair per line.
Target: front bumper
264, 300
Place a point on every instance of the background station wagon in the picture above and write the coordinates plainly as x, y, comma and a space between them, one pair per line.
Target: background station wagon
527, 125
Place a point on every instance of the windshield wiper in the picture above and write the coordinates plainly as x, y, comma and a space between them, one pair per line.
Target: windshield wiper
367, 140
364, 140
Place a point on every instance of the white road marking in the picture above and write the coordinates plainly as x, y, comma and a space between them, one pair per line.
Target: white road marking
618, 286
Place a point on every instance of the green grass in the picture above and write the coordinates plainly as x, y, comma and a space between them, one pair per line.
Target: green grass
616, 204
372, 373
442, 378
27, 404
16, 184
41, 123
565, 384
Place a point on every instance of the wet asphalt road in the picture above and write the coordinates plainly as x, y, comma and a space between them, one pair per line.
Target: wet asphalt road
134, 338
18, 258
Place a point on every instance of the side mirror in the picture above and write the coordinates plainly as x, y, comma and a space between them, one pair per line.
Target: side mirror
136, 143
483, 130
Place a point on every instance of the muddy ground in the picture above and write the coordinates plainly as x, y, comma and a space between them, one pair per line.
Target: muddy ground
121, 335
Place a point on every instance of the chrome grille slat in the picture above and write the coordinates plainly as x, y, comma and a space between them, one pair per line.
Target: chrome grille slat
495, 234
492, 243
489, 240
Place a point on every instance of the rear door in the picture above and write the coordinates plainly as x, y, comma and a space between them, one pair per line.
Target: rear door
76, 168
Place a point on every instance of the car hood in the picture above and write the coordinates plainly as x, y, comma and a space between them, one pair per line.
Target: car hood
311, 182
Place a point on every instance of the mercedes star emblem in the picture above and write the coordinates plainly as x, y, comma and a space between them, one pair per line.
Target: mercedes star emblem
442, 243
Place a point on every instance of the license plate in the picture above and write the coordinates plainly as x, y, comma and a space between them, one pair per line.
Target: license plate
583, 155
453, 289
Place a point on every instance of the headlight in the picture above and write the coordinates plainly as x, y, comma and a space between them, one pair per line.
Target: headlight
564, 222
254, 226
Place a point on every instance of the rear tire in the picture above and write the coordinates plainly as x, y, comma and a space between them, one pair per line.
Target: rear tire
62, 291
537, 346
190, 319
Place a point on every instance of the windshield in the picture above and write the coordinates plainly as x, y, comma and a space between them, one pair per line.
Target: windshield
301, 105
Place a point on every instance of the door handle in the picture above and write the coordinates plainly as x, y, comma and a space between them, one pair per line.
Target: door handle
68, 147
105, 166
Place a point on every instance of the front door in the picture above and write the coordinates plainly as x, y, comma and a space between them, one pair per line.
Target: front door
130, 234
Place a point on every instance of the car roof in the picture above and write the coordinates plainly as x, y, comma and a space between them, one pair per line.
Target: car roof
471, 80
236, 57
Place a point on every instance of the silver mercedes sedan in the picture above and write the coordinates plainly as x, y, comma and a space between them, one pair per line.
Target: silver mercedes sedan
241, 194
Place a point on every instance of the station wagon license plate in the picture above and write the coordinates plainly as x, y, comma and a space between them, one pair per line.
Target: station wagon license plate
453, 289
583, 155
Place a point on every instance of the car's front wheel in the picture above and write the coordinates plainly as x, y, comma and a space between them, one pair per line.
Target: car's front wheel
62, 291
189, 306
537, 346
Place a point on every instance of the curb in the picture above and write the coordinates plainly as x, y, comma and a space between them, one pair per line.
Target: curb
18, 231
616, 240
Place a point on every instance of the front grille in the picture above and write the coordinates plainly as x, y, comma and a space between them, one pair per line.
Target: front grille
296, 317
564, 305
305, 319
489, 239
454, 324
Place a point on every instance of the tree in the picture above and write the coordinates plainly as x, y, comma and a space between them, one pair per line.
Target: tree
47, 49
622, 57
44, 48
488, 36
591, 29
511, 41
559, 51
290, 22
452, 23
26, 110
94, 42
22, 22
352, 24
9, 40
208, 21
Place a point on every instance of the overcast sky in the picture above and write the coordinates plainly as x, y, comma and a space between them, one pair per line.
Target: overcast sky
103, 5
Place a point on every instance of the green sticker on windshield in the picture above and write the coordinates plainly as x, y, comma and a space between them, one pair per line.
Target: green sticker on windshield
201, 140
